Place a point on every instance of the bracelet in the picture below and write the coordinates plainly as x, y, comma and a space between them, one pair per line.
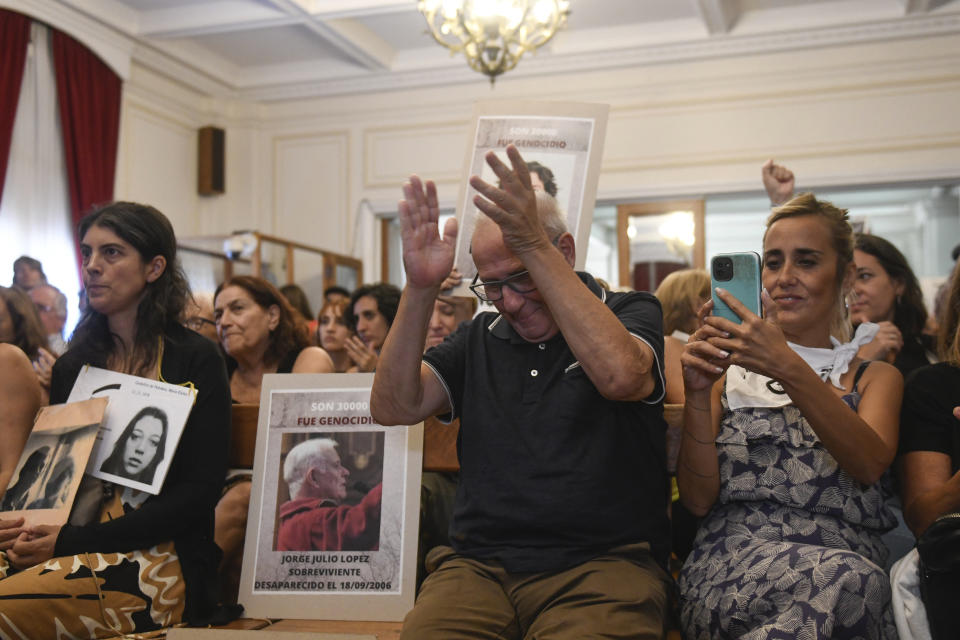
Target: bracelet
696, 439
693, 406
698, 474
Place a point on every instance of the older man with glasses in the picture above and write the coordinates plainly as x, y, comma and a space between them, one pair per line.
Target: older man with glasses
560, 523
51, 306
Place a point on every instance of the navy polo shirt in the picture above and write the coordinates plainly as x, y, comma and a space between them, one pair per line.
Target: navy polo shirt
552, 473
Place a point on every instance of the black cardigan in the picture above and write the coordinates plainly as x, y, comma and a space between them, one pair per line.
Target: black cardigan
183, 511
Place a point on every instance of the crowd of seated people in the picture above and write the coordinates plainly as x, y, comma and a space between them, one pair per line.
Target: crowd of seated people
557, 524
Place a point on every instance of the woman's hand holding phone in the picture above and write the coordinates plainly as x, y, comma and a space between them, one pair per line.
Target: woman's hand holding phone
756, 343
703, 363
738, 273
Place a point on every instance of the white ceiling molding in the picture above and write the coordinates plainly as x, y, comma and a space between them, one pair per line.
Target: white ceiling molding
718, 15
205, 19
332, 9
364, 39
113, 48
277, 50
728, 46
353, 42
921, 6
206, 78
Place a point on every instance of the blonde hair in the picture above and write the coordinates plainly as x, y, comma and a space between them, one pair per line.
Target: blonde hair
841, 237
680, 294
948, 340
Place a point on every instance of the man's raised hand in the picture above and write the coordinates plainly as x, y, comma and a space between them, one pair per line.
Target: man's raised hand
513, 205
427, 256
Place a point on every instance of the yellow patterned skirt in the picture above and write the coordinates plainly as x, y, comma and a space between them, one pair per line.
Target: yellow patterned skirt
92, 595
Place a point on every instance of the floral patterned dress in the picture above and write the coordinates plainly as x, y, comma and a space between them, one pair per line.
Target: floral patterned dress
791, 548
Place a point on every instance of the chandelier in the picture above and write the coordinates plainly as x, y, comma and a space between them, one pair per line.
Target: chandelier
494, 34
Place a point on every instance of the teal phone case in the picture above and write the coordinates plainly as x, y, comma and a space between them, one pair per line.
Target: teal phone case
744, 285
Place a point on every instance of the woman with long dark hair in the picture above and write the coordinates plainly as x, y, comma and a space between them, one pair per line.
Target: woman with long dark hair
140, 448
887, 292
136, 562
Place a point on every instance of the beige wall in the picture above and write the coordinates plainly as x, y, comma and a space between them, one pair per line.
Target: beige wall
857, 114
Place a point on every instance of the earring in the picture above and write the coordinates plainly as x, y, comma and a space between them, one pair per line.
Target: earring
849, 299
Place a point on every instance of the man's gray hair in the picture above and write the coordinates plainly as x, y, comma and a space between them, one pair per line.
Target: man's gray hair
302, 458
550, 215
59, 300
548, 210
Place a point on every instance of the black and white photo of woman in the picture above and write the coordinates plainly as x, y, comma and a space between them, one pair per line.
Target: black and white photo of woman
140, 448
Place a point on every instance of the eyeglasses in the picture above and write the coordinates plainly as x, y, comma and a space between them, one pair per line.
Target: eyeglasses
493, 291
196, 322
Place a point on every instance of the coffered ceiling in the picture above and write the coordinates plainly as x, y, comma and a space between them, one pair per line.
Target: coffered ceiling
282, 49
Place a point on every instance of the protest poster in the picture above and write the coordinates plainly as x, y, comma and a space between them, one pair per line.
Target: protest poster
566, 139
48, 472
332, 526
140, 431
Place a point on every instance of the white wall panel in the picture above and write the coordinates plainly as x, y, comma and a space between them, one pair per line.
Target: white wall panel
434, 151
158, 166
310, 189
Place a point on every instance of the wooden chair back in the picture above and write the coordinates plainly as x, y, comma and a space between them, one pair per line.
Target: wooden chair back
243, 435
440, 445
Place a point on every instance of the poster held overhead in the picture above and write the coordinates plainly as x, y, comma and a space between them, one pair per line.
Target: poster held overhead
332, 527
562, 143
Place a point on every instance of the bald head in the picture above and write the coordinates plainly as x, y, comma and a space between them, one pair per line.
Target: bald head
520, 303
548, 210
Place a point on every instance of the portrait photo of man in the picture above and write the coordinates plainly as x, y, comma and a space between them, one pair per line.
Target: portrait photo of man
317, 517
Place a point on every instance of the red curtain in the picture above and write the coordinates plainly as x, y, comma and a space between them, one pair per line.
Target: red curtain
14, 37
88, 92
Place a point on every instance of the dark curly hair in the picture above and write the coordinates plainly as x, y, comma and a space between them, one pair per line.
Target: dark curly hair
387, 297
290, 335
27, 329
909, 312
159, 311
545, 175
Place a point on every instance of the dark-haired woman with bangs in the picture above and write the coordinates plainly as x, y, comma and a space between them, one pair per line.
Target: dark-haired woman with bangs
135, 562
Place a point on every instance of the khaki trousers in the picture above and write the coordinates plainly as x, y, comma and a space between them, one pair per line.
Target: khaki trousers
622, 594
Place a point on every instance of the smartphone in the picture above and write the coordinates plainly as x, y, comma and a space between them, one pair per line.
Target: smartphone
738, 273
